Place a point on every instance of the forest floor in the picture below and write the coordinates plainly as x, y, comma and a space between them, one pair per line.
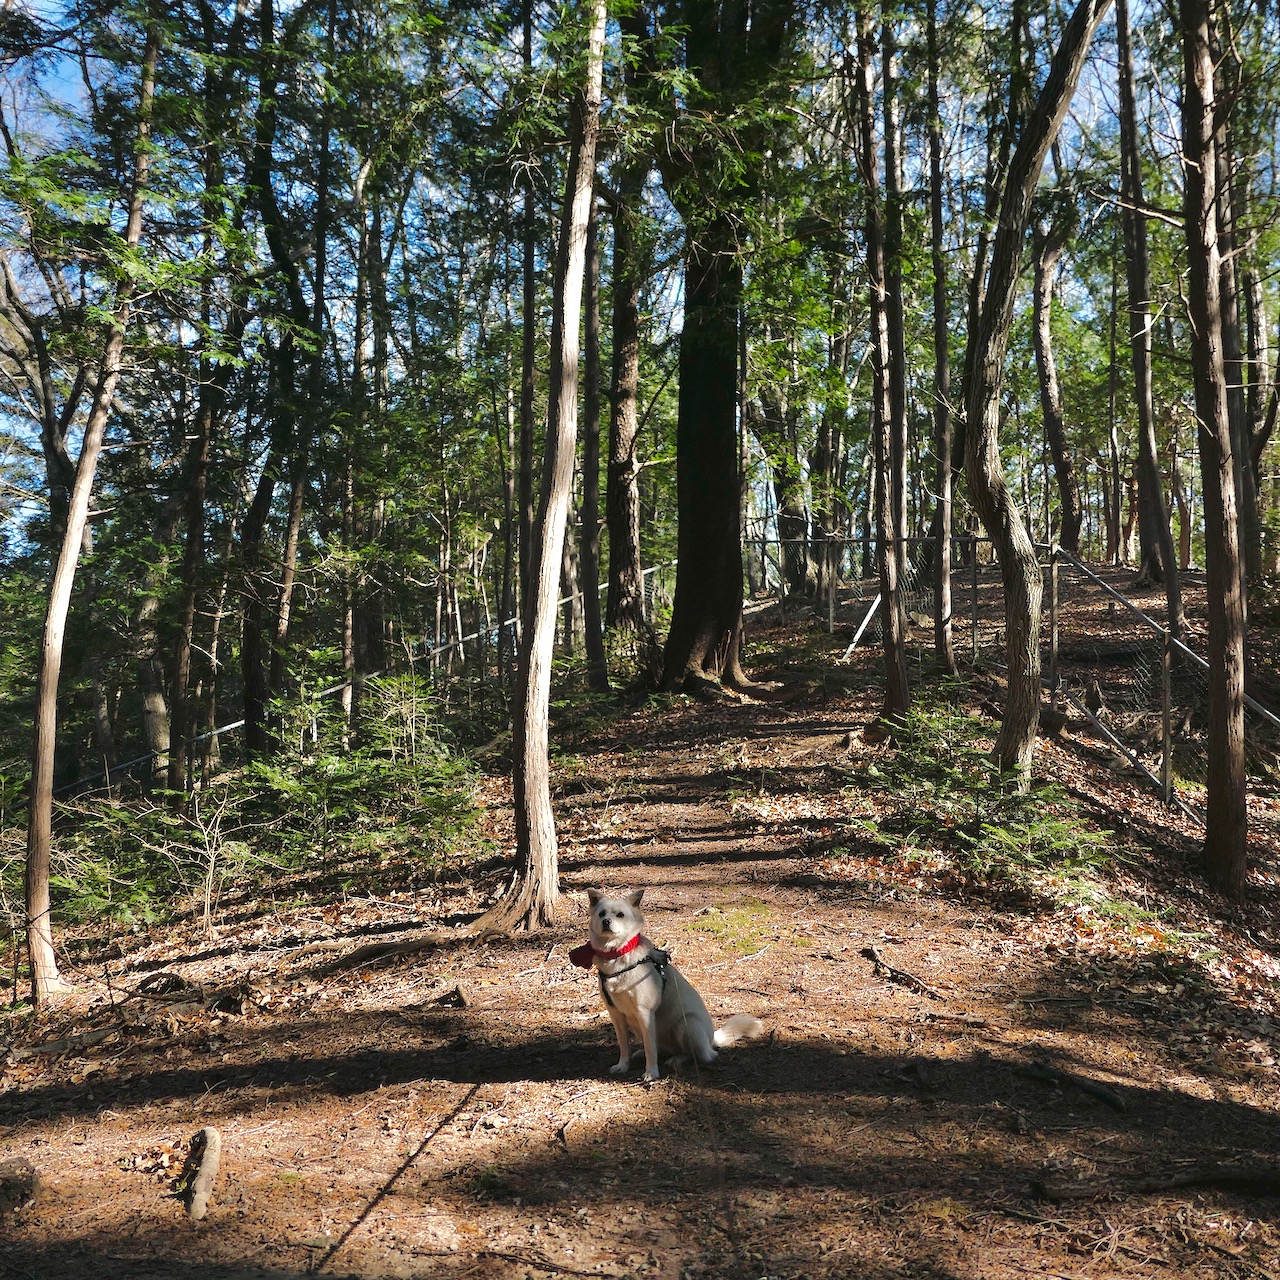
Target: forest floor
1032, 1082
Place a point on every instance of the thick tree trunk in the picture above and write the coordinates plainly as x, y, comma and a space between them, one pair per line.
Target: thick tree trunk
702, 648
532, 898
45, 979
730, 49
984, 374
1226, 827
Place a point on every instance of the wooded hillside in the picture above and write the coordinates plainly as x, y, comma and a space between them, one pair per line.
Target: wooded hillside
291, 384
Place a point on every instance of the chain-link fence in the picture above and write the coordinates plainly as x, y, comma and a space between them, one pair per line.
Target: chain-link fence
1109, 664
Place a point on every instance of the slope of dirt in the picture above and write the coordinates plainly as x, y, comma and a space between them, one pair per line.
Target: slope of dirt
1016, 1089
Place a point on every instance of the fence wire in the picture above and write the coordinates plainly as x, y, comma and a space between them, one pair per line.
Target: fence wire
1108, 665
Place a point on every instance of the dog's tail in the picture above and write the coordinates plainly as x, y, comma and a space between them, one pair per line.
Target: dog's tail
742, 1026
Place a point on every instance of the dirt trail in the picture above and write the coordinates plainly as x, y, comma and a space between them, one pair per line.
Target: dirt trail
450, 1113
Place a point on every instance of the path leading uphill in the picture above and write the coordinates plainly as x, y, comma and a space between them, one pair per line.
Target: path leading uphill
963, 1089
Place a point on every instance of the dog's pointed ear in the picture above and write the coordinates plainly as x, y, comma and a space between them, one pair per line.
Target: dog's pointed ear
594, 896
635, 896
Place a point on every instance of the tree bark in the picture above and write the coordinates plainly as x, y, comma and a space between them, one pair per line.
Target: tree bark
45, 979
1152, 510
984, 374
589, 555
625, 601
1226, 826
703, 644
730, 49
528, 340
532, 898
943, 645
1049, 242
887, 408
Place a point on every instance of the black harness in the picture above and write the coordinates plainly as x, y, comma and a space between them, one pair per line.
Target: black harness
659, 959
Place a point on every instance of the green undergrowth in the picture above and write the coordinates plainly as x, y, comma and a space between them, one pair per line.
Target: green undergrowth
937, 795
391, 807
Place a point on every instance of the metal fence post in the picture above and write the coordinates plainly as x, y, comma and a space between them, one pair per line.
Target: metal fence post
1166, 698
973, 623
1053, 619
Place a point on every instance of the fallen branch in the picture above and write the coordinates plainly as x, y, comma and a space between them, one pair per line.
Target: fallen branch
201, 1168
376, 952
80, 1041
1052, 1075
885, 970
1261, 1179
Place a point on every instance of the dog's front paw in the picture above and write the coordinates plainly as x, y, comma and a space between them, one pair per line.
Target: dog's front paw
620, 1068
650, 1075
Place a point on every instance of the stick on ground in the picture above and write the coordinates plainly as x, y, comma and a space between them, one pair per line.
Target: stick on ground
200, 1171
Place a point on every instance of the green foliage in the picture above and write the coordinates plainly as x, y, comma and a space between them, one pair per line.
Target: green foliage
940, 793
396, 803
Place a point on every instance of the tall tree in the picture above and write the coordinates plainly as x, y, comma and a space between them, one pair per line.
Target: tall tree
944, 648
45, 979
531, 899
1153, 513
597, 664
984, 375
731, 53
1050, 238
1227, 814
887, 356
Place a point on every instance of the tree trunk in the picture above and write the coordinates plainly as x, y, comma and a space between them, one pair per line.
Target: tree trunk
532, 898
1049, 243
943, 645
589, 554
45, 980
1226, 826
886, 405
1152, 511
984, 373
625, 603
730, 50
528, 340
702, 648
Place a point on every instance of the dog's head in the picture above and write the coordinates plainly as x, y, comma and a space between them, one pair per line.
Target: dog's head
614, 921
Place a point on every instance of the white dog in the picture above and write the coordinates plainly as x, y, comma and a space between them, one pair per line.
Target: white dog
645, 993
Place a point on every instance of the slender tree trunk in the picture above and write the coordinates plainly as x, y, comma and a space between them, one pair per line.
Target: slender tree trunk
1049, 244
532, 897
1152, 510
1226, 827
1232, 343
944, 648
896, 330
984, 374
884, 414
625, 604
589, 555
45, 979
528, 339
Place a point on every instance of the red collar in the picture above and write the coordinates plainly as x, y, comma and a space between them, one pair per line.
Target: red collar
615, 952
583, 956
